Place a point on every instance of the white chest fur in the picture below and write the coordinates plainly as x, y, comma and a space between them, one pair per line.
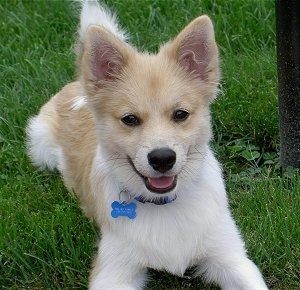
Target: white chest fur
173, 236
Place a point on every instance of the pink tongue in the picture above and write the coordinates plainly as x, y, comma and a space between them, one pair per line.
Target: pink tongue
161, 182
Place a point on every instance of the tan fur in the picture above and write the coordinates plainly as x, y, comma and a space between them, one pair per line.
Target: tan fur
74, 132
150, 85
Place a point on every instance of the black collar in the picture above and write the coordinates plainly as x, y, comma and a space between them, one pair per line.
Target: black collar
157, 201
142, 199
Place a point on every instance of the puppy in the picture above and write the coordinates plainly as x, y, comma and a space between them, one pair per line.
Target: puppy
131, 139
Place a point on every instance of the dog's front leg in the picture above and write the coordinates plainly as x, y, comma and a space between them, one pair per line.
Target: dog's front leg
232, 272
115, 266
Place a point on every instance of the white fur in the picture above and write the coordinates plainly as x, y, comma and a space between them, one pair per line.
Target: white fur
43, 150
94, 14
78, 103
196, 229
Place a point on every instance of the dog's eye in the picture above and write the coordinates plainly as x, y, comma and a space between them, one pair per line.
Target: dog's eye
131, 120
180, 115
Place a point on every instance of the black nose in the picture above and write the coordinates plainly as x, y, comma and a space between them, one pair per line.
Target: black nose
162, 159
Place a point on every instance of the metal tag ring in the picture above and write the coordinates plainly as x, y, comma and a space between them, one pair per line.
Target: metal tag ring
124, 196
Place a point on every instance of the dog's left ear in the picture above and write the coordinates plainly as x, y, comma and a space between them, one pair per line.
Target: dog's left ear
196, 51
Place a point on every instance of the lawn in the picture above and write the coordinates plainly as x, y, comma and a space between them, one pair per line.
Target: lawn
45, 241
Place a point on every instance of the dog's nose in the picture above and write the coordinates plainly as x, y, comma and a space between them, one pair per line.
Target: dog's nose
162, 159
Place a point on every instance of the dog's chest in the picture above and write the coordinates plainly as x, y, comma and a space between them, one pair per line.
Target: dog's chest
164, 236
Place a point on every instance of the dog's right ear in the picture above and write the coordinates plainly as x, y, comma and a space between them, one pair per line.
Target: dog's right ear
103, 58
196, 51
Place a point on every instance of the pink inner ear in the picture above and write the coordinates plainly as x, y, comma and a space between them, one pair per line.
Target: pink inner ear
194, 55
105, 61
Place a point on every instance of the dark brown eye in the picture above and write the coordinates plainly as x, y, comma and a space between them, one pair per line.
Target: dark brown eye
131, 120
180, 115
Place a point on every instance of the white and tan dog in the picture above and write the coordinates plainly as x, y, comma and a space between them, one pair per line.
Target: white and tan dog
131, 139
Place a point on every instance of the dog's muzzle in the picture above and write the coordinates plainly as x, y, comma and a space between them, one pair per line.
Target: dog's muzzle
161, 160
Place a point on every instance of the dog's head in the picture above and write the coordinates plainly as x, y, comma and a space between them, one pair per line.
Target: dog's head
152, 111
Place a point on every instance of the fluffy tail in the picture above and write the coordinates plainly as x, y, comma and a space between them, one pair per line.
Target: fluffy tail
92, 13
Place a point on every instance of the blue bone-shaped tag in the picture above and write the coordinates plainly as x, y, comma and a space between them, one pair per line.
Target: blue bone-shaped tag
123, 209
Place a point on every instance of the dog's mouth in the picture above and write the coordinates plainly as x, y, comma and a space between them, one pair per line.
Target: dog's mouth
161, 184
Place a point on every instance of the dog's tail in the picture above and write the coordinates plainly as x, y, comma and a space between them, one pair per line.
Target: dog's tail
92, 13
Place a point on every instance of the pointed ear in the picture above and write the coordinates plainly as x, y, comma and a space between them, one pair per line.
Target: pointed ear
196, 51
103, 57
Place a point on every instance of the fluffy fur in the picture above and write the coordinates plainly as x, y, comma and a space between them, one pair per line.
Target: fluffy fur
86, 132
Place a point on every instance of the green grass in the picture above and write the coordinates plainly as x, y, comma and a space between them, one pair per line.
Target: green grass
45, 242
